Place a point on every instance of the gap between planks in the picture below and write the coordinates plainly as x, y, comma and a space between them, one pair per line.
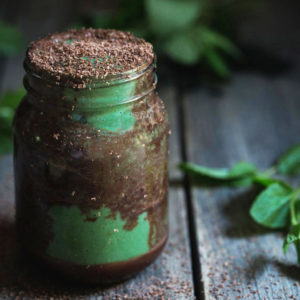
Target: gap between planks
196, 265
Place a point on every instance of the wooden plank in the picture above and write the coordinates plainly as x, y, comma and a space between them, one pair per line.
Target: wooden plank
253, 119
167, 93
168, 278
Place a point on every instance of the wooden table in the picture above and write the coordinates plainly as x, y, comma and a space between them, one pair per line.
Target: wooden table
215, 250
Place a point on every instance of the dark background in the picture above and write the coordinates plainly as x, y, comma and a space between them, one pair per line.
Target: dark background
265, 32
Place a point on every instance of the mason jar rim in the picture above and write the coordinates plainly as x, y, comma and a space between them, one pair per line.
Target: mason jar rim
101, 88
100, 82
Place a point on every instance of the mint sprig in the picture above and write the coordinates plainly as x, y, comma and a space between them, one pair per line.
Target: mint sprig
240, 174
277, 206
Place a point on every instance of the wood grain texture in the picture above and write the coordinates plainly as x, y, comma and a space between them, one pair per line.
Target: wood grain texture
167, 94
254, 118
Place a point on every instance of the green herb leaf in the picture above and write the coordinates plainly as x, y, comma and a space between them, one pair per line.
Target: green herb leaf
213, 39
188, 46
240, 174
297, 210
264, 180
271, 206
183, 47
6, 144
8, 103
168, 16
6, 116
289, 162
12, 98
243, 182
239, 170
242, 169
204, 171
215, 60
267, 181
293, 237
11, 41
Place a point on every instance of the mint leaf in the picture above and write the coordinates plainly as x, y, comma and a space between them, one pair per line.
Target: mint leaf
11, 41
289, 162
271, 206
267, 181
8, 103
243, 182
293, 237
6, 116
188, 46
213, 39
167, 16
215, 60
264, 180
12, 98
239, 170
6, 144
183, 47
242, 169
297, 210
240, 174
204, 171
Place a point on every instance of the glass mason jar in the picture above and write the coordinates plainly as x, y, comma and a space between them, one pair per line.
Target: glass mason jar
91, 174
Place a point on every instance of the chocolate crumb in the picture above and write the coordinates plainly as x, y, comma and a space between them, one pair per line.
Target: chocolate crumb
56, 135
78, 56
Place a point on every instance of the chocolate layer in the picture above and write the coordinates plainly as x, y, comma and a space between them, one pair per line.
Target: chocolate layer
103, 274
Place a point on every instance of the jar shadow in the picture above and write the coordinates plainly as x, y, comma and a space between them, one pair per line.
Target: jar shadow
21, 275
240, 223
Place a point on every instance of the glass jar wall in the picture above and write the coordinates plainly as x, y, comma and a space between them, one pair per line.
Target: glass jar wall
91, 174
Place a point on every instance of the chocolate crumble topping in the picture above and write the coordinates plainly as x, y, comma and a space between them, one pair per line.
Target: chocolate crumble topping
79, 56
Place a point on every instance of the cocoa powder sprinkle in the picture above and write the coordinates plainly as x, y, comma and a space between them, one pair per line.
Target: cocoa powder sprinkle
79, 56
